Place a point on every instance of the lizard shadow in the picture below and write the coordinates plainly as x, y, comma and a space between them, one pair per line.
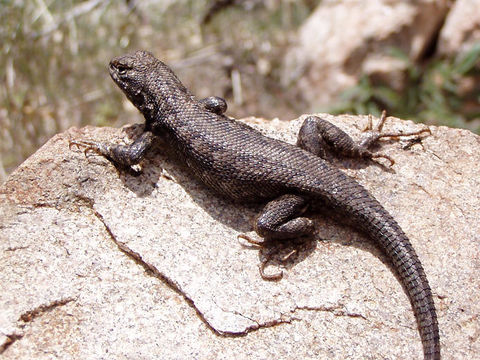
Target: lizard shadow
344, 163
161, 165
358, 164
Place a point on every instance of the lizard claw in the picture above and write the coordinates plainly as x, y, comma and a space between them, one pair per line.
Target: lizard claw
374, 133
377, 130
376, 156
90, 146
379, 126
257, 244
269, 277
72, 143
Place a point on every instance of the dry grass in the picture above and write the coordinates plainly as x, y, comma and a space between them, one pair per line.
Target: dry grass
54, 56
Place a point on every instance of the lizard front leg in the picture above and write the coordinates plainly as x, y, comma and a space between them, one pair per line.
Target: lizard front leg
214, 104
120, 155
128, 155
316, 135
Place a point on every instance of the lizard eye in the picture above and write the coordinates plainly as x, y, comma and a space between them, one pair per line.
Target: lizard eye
122, 70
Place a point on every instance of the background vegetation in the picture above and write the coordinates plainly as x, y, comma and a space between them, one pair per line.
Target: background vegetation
54, 55
439, 92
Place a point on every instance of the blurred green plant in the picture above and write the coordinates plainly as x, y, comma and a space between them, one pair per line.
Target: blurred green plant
54, 53
441, 92
51, 55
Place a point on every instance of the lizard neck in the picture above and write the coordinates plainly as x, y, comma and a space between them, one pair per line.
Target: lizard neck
162, 109
170, 116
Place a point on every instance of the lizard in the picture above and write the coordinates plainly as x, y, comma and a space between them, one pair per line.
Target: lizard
241, 164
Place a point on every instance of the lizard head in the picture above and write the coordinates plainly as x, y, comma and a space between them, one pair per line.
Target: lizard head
148, 83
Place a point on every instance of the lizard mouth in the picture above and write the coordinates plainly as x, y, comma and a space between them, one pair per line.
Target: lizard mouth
112, 69
119, 68
117, 73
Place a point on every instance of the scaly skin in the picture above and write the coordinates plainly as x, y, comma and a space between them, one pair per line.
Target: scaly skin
240, 163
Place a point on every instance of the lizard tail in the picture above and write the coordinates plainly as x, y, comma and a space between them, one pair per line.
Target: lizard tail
385, 231
348, 197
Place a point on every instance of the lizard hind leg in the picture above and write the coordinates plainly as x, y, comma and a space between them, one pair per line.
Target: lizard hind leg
374, 134
317, 135
280, 219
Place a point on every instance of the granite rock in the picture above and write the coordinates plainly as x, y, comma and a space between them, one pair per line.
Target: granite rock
96, 263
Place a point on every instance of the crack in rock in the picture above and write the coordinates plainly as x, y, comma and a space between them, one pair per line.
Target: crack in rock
29, 316
258, 325
337, 310
15, 248
265, 324
40, 310
151, 269
11, 338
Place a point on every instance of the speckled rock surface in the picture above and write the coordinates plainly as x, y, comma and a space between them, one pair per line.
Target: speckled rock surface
96, 263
